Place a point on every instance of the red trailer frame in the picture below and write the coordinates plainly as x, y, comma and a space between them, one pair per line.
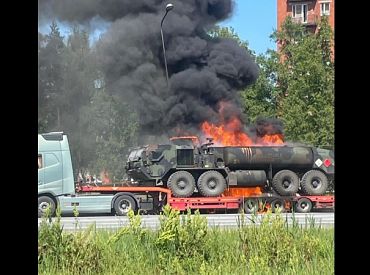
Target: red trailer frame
221, 202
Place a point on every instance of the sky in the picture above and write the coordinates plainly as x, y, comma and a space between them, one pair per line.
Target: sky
254, 21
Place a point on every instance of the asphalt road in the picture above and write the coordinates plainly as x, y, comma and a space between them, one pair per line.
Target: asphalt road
214, 220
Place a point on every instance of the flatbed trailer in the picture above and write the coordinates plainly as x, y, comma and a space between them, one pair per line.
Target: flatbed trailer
57, 187
250, 204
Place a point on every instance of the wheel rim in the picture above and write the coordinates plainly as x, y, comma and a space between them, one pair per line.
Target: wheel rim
212, 183
251, 205
277, 205
181, 183
303, 205
287, 183
316, 183
124, 206
43, 206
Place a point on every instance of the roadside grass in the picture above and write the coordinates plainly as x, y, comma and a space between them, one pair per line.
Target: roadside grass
185, 245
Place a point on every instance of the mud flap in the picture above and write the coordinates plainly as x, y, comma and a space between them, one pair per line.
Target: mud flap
231, 179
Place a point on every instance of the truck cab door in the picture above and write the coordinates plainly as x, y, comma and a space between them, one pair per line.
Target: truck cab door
41, 171
53, 172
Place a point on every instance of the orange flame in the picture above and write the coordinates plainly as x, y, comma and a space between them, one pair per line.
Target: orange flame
272, 139
228, 134
105, 177
243, 191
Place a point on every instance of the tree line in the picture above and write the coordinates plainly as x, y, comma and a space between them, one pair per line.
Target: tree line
72, 98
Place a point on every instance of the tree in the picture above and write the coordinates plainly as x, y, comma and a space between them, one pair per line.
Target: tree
229, 32
50, 78
260, 99
81, 71
100, 128
305, 83
114, 126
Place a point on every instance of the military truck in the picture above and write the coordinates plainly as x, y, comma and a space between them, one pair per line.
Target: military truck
160, 175
187, 168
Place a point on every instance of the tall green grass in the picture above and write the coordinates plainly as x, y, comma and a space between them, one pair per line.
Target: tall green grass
185, 245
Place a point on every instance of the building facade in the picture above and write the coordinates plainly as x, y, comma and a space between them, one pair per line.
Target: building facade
306, 12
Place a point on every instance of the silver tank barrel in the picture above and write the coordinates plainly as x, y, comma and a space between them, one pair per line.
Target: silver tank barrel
260, 157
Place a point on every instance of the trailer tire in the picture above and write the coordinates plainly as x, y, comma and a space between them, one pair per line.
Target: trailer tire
314, 182
285, 183
251, 205
43, 203
211, 184
303, 205
123, 204
181, 183
278, 205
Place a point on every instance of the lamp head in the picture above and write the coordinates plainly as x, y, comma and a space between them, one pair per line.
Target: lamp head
169, 7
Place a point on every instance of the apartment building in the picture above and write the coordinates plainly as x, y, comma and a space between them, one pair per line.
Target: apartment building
305, 12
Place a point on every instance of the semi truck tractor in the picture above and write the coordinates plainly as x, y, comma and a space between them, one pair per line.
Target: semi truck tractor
57, 186
186, 175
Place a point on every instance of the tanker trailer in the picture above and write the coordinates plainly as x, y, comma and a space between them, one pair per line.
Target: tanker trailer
289, 168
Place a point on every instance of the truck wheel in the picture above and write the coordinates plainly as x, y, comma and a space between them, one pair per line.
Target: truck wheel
278, 205
44, 202
303, 205
251, 206
314, 182
211, 184
181, 183
123, 204
285, 183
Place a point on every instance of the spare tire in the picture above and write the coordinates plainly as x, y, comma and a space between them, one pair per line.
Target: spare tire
181, 183
211, 184
285, 183
314, 182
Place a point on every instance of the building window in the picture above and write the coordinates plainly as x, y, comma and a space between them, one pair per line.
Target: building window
40, 161
299, 13
325, 9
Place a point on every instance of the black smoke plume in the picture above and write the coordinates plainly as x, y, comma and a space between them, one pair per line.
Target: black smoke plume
203, 70
268, 126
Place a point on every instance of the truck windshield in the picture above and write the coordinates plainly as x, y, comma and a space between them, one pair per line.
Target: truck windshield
135, 155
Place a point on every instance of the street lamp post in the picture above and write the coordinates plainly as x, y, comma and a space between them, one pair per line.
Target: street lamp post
168, 8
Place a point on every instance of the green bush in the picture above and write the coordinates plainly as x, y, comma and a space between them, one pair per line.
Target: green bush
273, 246
78, 253
185, 245
183, 240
